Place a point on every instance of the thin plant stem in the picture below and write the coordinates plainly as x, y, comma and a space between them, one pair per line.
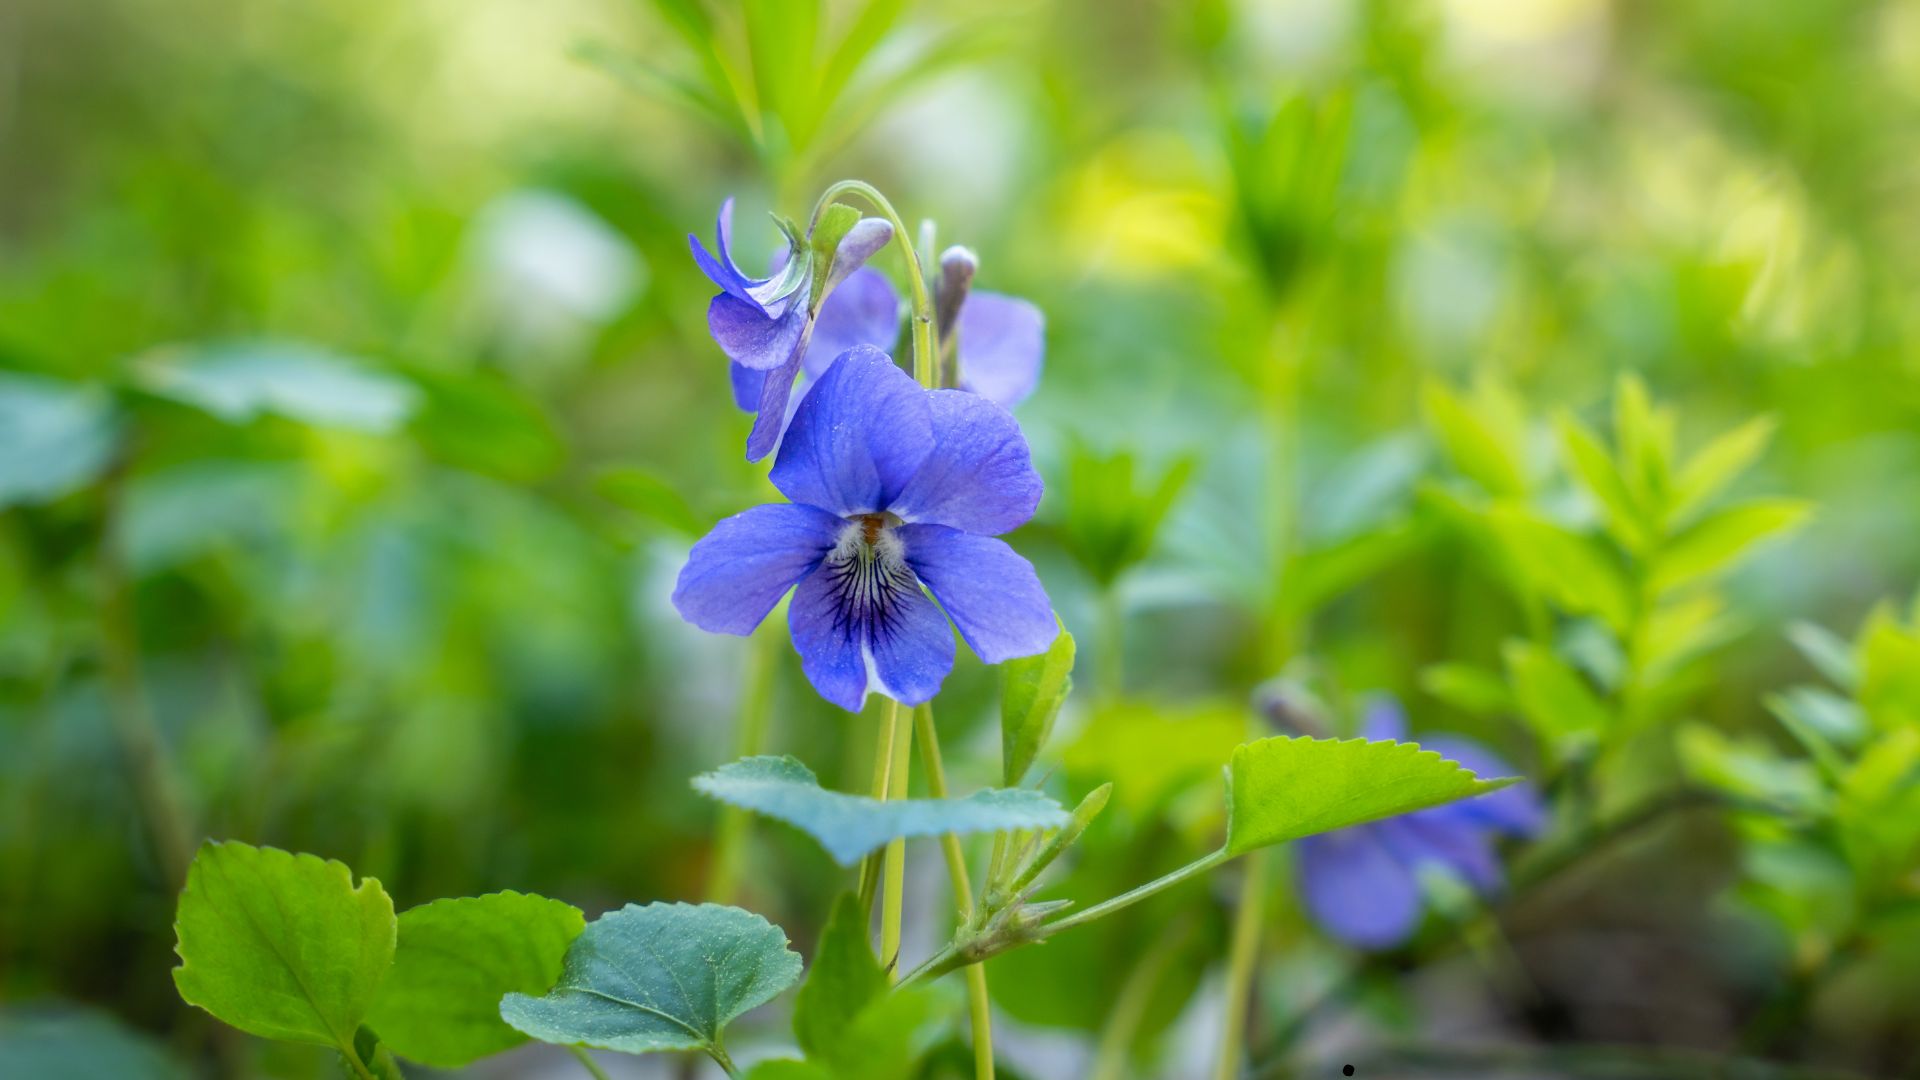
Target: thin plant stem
756, 706
354, 1063
719, 1055
587, 1062
1242, 959
1134, 895
133, 722
979, 1003
900, 742
882, 778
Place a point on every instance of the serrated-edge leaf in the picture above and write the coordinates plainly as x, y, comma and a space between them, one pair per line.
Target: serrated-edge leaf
1287, 787
210, 934
850, 826
424, 1017
659, 977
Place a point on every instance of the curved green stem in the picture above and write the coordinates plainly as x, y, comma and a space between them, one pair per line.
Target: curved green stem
587, 1062
924, 356
979, 1003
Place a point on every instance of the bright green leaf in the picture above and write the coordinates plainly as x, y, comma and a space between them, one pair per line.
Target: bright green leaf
1032, 689
282, 946
1467, 688
1719, 463
1598, 474
55, 437
659, 977
1644, 434
1482, 438
1149, 753
441, 1004
1716, 542
1572, 571
1551, 695
1284, 788
240, 381
1318, 576
849, 826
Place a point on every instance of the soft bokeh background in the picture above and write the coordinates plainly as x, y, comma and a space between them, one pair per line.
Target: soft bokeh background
358, 409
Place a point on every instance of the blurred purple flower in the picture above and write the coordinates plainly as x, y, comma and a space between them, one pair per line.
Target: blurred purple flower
1362, 885
894, 487
764, 324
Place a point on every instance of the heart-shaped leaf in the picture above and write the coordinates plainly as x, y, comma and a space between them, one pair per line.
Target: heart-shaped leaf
1284, 788
659, 977
850, 826
282, 946
457, 958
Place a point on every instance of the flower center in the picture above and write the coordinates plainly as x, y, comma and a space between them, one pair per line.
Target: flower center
869, 573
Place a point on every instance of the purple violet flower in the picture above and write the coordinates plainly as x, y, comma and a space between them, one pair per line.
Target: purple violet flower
764, 324
1361, 884
894, 487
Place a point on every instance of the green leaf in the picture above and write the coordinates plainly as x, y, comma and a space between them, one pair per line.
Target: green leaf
1150, 753
1719, 463
240, 381
374, 1057
651, 497
1644, 434
1467, 688
1482, 438
844, 979
1284, 788
55, 437
850, 826
1827, 651
75, 1044
1032, 689
1318, 576
1564, 566
441, 1004
845, 1018
1597, 473
1715, 543
282, 946
1551, 695
659, 977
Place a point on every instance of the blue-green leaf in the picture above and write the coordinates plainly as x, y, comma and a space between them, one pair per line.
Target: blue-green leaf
54, 437
850, 826
240, 381
73, 1044
659, 977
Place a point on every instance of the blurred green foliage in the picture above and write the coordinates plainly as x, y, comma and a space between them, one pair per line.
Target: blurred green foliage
1542, 361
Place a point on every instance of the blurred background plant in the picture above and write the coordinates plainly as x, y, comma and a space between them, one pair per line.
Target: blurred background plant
1538, 361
